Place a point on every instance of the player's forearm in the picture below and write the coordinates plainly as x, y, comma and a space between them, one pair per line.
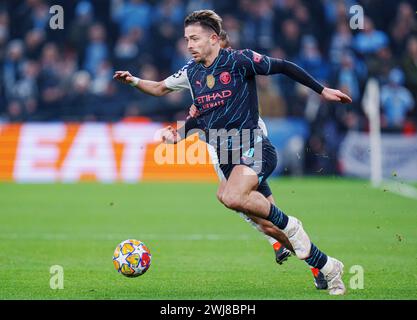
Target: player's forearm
296, 73
153, 88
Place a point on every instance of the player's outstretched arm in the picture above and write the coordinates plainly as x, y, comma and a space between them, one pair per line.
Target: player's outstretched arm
153, 88
300, 75
257, 64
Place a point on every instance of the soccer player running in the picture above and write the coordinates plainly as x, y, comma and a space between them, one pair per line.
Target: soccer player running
223, 86
271, 232
281, 252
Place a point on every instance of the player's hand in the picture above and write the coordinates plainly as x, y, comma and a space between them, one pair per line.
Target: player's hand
193, 112
169, 135
335, 95
124, 77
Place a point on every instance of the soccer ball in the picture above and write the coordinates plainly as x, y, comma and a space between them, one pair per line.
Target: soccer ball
131, 258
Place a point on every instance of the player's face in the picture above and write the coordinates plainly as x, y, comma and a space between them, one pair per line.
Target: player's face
200, 42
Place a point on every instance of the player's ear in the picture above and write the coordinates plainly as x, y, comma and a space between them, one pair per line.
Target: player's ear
214, 38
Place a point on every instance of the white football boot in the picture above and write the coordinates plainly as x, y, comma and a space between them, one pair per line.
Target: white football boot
298, 238
333, 271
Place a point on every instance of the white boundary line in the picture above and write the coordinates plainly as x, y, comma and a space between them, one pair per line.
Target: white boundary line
400, 188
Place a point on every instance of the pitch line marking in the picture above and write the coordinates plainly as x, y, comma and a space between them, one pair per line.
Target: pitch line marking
401, 189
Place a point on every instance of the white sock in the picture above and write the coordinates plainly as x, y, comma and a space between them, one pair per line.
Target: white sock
291, 221
327, 268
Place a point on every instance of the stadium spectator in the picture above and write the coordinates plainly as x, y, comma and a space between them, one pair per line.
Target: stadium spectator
285, 86
132, 14
303, 18
50, 84
396, 101
180, 57
103, 77
399, 35
340, 42
199, 5
409, 64
96, 51
83, 20
34, 41
15, 112
13, 67
26, 90
284, 9
258, 26
291, 38
31, 14
381, 64
337, 10
172, 11
40, 15
4, 30
126, 50
311, 59
106, 106
164, 38
79, 101
347, 77
233, 27
369, 41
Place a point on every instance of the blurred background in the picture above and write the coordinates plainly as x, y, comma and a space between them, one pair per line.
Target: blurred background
63, 119
56, 83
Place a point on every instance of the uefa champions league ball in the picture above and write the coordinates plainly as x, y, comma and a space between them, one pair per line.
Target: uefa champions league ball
132, 258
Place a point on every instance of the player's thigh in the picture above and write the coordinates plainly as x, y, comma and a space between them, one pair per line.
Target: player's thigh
241, 182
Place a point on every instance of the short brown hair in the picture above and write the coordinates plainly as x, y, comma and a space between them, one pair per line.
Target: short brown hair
206, 18
224, 38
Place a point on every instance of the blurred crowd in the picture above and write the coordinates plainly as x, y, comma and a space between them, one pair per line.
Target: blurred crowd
66, 75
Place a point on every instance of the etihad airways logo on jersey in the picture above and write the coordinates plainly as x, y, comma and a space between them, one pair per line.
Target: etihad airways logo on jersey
213, 100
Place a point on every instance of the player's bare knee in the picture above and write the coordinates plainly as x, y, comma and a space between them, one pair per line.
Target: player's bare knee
219, 196
232, 201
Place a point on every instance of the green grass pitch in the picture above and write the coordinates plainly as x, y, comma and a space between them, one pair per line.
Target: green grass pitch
200, 250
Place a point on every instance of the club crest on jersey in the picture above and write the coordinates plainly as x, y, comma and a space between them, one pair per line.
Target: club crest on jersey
210, 81
225, 77
257, 57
